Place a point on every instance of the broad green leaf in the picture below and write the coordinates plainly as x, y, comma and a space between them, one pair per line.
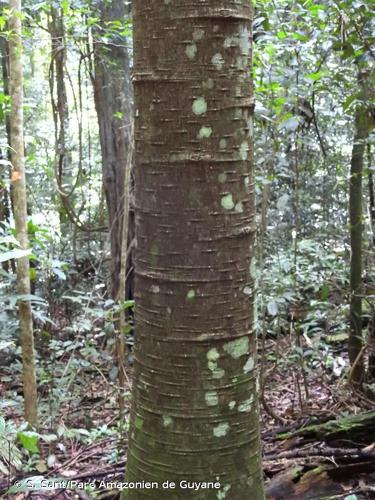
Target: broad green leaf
17, 253
29, 440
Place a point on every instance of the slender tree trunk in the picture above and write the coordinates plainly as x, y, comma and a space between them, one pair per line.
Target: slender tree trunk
114, 103
195, 403
5, 195
60, 109
371, 193
20, 210
355, 217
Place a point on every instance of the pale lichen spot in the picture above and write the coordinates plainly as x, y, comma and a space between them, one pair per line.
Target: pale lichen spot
212, 398
231, 404
167, 420
223, 143
227, 202
221, 495
216, 28
213, 354
239, 62
237, 347
238, 113
191, 294
221, 429
191, 50
244, 150
245, 43
199, 106
155, 289
248, 291
222, 177
212, 357
239, 207
217, 373
249, 365
228, 42
218, 61
253, 268
245, 406
198, 34
250, 125
205, 133
138, 422
209, 83
246, 180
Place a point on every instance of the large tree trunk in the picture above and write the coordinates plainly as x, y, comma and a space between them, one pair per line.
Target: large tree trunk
355, 218
195, 409
114, 104
20, 210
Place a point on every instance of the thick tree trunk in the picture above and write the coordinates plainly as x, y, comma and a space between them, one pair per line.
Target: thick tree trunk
114, 104
355, 218
20, 210
195, 409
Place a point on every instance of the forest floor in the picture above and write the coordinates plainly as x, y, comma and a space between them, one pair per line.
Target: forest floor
82, 440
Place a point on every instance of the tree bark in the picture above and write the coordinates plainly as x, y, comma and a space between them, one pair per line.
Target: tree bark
355, 218
60, 109
5, 170
113, 95
20, 209
195, 402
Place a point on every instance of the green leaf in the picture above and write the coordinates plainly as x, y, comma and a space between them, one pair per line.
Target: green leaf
315, 76
60, 274
127, 304
25, 298
30, 483
272, 308
281, 35
17, 253
65, 5
29, 440
2, 426
324, 292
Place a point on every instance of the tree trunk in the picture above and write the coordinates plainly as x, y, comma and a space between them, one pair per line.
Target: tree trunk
5, 170
371, 193
195, 409
20, 210
114, 103
355, 217
60, 109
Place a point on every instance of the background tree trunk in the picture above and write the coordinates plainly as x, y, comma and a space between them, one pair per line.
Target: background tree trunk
113, 95
355, 218
195, 409
60, 109
20, 209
